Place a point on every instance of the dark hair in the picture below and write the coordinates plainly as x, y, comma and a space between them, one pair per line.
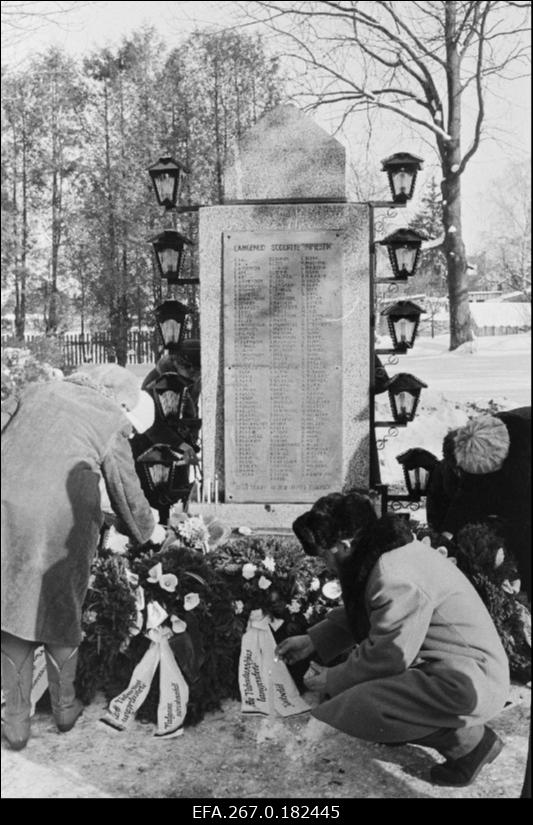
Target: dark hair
337, 517
367, 547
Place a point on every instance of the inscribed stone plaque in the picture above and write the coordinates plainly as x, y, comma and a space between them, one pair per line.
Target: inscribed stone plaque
283, 365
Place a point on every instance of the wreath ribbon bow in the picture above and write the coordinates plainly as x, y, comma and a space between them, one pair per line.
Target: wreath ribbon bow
173, 689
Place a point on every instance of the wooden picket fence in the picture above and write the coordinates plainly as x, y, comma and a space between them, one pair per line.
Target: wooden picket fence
97, 348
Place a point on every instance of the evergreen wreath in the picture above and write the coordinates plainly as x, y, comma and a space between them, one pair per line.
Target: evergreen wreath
480, 553
203, 585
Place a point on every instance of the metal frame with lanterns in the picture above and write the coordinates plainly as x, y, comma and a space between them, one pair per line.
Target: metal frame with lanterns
159, 465
403, 318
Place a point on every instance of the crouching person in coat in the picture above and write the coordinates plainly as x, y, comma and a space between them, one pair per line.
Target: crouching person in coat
58, 441
429, 667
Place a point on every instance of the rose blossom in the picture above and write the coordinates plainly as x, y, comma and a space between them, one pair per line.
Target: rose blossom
269, 563
264, 583
249, 570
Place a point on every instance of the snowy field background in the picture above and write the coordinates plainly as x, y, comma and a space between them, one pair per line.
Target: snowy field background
495, 368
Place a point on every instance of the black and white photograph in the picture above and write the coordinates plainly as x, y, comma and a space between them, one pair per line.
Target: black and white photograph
266, 403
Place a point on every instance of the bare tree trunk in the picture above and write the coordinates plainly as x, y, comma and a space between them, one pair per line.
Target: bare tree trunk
21, 272
450, 151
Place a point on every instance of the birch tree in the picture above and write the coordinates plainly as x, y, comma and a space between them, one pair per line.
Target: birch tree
429, 63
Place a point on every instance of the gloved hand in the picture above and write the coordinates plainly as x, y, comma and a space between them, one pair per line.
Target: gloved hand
294, 649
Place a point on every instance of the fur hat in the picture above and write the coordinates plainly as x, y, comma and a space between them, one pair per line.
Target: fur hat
482, 445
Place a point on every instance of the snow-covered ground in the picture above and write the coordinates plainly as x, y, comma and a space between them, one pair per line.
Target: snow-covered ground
496, 368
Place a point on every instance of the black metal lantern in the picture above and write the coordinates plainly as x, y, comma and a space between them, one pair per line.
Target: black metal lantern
170, 319
168, 396
161, 472
169, 249
404, 250
403, 319
417, 465
402, 169
166, 176
404, 394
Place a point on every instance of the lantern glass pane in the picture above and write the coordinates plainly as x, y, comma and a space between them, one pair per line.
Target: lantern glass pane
418, 477
401, 182
169, 259
404, 330
405, 259
170, 403
165, 184
170, 331
405, 403
159, 474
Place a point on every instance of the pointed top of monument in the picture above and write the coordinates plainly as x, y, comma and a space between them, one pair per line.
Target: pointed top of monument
286, 156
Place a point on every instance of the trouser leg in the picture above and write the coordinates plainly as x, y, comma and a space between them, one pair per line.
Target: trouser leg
453, 743
17, 677
61, 665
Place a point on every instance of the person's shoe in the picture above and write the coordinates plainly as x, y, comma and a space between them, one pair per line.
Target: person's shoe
461, 772
65, 706
16, 684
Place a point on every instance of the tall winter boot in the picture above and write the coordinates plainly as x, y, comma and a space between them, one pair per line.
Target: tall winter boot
61, 670
17, 676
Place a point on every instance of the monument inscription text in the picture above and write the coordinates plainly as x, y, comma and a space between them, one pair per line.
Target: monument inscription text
283, 365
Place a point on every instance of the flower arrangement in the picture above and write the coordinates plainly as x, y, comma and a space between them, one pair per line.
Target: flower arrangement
479, 552
200, 587
274, 575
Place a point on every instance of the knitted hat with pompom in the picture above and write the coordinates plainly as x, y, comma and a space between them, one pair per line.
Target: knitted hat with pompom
482, 445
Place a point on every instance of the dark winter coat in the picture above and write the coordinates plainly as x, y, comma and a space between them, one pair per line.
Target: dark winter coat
432, 657
505, 493
59, 441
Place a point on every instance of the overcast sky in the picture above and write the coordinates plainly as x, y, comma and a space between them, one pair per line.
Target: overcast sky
93, 26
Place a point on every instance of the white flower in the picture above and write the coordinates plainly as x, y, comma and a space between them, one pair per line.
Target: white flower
168, 582
269, 563
155, 615
315, 584
264, 583
512, 588
194, 531
140, 602
332, 590
132, 578
90, 616
92, 579
239, 606
294, 606
116, 542
308, 613
136, 628
244, 531
178, 625
191, 601
155, 573
249, 570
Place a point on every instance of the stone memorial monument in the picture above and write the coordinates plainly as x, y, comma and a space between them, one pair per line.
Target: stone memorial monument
284, 288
